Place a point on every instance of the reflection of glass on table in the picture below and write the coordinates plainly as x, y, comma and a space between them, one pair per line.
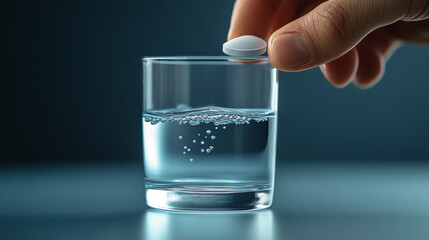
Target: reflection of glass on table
237, 225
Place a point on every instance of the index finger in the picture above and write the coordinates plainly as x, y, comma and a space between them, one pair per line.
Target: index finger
252, 17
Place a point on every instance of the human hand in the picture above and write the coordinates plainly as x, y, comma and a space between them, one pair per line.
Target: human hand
350, 40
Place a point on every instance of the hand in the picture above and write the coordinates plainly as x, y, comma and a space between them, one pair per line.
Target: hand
350, 40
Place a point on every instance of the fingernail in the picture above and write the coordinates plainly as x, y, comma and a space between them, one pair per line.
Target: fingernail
291, 50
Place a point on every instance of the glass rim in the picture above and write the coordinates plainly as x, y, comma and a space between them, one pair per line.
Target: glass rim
206, 59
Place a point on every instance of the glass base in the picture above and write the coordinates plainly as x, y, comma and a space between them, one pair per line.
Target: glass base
205, 198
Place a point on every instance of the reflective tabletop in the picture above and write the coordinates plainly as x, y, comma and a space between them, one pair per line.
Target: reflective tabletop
312, 200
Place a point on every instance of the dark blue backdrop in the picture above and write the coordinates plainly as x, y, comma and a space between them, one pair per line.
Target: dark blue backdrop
71, 76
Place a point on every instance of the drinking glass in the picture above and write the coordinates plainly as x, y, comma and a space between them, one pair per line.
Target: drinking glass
209, 132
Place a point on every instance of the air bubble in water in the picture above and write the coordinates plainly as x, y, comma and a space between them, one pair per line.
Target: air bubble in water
189, 149
205, 136
184, 152
191, 159
199, 134
224, 127
213, 137
185, 147
208, 131
208, 150
202, 150
194, 123
202, 142
180, 137
216, 127
194, 141
211, 147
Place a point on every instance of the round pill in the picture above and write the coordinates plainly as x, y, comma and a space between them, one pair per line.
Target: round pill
245, 46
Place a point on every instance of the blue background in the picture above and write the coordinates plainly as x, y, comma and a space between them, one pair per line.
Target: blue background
71, 76
70, 136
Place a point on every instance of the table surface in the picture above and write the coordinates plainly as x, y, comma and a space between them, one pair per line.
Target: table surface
312, 200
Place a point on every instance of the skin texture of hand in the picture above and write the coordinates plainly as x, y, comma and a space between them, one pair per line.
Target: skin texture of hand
350, 40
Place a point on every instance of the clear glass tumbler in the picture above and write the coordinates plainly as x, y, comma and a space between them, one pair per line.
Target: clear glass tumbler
209, 132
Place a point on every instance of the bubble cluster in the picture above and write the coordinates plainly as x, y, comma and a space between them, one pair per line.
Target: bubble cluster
216, 115
203, 150
220, 117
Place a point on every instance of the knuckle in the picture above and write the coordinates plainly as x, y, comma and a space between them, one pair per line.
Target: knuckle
335, 19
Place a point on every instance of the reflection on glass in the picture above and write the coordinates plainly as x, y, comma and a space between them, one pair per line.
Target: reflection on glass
236, 225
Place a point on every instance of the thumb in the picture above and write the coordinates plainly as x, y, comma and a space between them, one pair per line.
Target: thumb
330, 30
